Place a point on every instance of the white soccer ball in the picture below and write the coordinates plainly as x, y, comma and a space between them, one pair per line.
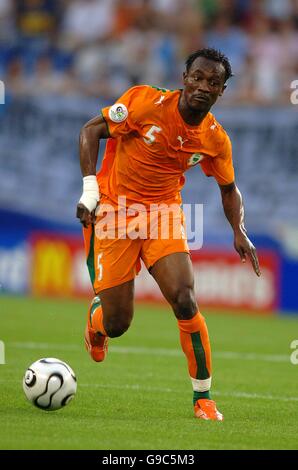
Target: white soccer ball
49, 383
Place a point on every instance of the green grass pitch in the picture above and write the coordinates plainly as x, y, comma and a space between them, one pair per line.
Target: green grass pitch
140, 397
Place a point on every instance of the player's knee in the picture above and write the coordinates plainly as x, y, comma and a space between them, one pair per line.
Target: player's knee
116, 330
117, 327
185, 305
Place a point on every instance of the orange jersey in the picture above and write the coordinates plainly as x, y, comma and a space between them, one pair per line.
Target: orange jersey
151, 147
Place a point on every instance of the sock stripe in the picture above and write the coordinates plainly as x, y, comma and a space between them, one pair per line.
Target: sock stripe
95, 305
90, 258
202, 371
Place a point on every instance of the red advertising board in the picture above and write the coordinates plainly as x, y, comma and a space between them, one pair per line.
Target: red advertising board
222, 280
58, 268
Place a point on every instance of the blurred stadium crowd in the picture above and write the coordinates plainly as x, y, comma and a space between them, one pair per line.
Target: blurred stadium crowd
102, 47
62, 60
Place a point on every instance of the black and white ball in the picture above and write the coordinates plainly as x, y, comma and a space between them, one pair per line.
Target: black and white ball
49, 384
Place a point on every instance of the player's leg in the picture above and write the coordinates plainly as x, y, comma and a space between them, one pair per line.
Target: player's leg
113, 264
174, 275
109, 316
111, 311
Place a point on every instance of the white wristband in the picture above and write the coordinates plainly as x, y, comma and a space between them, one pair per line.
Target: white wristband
90, 196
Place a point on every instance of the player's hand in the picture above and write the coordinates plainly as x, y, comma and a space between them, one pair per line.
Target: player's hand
86, 218
245, 248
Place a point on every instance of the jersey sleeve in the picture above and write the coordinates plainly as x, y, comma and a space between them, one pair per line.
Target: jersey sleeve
221, 166
121, 117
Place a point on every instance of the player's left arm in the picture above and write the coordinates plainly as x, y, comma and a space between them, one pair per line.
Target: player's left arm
234, 211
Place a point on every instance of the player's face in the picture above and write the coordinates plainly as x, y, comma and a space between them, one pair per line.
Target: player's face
203, 84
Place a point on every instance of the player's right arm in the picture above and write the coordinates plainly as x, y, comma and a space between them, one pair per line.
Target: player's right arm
116, 120
91, 133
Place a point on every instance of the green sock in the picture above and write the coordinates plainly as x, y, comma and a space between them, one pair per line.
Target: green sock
198, 395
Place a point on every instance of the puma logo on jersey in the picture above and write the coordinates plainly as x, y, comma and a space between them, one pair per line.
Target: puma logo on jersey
213, 127
181, 140
160, 100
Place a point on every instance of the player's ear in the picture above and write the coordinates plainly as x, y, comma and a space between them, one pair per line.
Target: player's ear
223, 89
184, 77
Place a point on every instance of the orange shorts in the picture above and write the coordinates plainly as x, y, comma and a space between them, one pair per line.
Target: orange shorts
119, 240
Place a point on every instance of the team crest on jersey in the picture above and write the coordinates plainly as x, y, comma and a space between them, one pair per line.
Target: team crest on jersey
195, 158
118, 112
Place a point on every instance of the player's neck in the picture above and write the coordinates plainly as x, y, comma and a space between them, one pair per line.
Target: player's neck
190, 116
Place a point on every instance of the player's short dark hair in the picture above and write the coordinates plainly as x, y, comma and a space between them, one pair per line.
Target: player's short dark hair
211, 54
